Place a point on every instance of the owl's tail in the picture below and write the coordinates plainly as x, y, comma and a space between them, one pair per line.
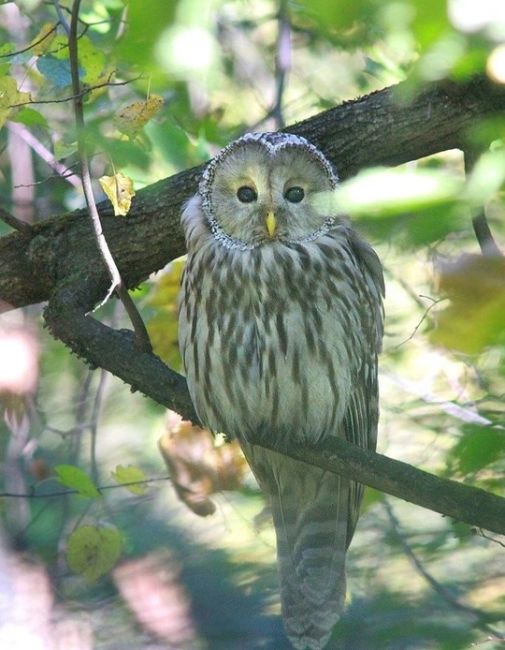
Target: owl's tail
310, 508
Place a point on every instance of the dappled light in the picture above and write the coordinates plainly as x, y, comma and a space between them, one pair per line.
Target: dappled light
123, 524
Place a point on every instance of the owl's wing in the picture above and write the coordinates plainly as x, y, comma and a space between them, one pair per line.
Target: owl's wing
362, 414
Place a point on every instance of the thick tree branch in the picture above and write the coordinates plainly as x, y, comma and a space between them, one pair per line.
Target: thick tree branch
379, 129
58, 261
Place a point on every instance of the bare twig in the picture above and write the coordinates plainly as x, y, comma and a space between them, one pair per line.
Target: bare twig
282, 63
44, 153
487, 243
117, 285
61, 16
416, 328
60, 493
481, 618
82, 93
481, 533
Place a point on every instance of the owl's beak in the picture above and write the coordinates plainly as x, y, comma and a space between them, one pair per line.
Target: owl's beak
271, 223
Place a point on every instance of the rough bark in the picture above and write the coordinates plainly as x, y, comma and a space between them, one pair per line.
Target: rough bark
384, 128
58, 261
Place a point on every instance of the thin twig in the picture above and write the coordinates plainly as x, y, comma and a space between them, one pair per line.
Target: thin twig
14, 222
482, 618
61, 16
416, 328
481, 533
31, 46
100, 488
82, 93
487, 243
44, 153
141, 336
282, 63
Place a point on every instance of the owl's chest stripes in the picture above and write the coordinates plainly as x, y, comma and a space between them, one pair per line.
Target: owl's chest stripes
267, 338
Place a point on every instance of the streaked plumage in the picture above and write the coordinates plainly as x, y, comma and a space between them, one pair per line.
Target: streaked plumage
280, 325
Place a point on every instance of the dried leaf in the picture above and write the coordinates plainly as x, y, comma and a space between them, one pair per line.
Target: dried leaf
119, 189
197, 467
130, 119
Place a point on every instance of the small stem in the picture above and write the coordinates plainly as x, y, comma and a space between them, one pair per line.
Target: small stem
60, 493
61, 16
142, 338
282, 63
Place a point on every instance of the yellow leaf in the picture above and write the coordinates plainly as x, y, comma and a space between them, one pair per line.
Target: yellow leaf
162, 326
167, 287
475, 316
130, 119
92, 551
131, 474
41, 42
119, 189
10, 97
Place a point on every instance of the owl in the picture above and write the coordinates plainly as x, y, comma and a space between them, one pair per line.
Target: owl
280, 325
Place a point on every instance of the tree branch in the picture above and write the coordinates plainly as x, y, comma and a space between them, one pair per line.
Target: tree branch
379, 129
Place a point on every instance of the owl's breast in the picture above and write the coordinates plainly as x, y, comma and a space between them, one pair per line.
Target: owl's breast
263, 338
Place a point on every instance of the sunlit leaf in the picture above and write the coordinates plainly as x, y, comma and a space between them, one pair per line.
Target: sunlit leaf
119, 189
130, 474
75, 478
92, 60
10, 97
130, 119
385, 192
93, 551
163, 325
487, 177
197, 467
42, 41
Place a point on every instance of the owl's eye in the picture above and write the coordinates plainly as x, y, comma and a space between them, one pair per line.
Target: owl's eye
246, 194
294, 194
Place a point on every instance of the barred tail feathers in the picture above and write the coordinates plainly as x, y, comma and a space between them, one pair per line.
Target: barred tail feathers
310, 513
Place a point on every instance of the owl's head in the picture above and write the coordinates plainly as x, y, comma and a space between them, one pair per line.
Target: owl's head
264, 187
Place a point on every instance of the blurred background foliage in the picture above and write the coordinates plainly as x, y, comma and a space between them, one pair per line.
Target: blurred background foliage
167, 84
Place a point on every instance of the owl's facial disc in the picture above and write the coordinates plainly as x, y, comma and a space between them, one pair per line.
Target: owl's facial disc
259, 194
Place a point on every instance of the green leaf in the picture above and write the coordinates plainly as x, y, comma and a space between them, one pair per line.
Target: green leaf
93, 551
130, 474
92, 61
479, 447
386, 192
30, 117
72, 477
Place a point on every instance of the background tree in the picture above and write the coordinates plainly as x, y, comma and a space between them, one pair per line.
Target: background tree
163, 86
